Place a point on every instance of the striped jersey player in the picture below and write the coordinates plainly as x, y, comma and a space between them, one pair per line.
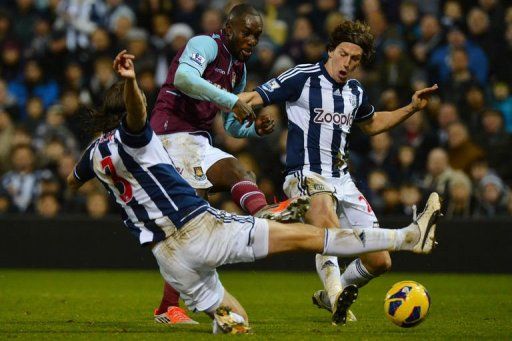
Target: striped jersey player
320, 115
322, 104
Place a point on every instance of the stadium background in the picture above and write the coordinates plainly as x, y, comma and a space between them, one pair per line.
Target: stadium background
56, 57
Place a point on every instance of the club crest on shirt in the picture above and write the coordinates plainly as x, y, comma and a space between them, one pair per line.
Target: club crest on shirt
196, 57
353, 100
271, 85
199, 174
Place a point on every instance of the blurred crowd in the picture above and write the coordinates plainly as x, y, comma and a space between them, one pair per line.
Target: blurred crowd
56, 58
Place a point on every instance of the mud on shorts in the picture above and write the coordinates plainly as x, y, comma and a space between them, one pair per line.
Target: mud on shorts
188, 258
192, 155
352, 207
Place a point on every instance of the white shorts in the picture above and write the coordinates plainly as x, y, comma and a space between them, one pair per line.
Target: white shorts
351, 206
188, 258
192, 155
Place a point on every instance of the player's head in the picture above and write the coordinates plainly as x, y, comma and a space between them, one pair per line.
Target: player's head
349, 45
110, 113
243, 28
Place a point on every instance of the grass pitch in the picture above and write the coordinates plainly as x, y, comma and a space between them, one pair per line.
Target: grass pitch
92, 305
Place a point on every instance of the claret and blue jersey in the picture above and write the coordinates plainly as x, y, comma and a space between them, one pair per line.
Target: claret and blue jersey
320, 115
140, 177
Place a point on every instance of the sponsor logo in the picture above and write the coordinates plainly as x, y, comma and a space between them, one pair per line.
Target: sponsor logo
219, 70
324, 116
271, 85
196, 57
337, 92
199, 174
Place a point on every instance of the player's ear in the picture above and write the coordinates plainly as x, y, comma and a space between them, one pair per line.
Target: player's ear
228, 29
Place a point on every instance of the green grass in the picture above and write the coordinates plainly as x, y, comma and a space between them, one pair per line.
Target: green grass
109, 305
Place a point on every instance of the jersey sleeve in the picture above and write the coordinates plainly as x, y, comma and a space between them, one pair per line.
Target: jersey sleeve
365, 110
83, 171
286, 87
199, 52
135, 140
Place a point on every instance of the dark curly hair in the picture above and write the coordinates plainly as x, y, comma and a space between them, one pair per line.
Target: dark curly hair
107, 118
354, 32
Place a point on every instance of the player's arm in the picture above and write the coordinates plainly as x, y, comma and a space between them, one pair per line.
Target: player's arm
263, 124
82, 172
199, 52
134, 99
380, 121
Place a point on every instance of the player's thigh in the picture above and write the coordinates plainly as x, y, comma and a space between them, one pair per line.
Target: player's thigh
188, 152
353, 208
322, 211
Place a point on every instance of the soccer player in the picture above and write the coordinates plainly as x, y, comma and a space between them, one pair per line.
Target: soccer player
322, 103
190, 239
202, 80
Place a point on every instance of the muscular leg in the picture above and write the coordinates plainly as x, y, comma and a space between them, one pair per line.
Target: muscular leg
322, 213
229, 175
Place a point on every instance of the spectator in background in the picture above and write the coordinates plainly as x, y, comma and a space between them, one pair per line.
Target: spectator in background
101, 46
148, 9
453, 13
410, 195
439, 172
302, 30
382, 156
462, 151
211, 21
22, 183
503, 103
460, 78
479, 28
102, 79
11, 61
496, 143
430, 38
473, 107
35, 114
396, 70
492, 197
6, 135
25, 14
137, 43
119, 17
188, 12
377, 180
47, 206
408, 24
265, 57
97, 205
408, 162
439, 61
460, 201
447, 115
8, 101
34, 82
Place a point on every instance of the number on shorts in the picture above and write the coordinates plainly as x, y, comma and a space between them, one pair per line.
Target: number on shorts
368, 207
125, 191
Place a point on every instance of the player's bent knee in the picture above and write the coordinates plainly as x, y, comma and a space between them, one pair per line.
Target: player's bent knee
377, 263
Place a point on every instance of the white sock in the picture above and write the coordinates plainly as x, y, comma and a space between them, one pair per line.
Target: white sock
356, 273
353, 242
329, 272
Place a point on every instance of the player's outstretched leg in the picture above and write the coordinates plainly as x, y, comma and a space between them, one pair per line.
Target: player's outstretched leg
320, 298
426, 222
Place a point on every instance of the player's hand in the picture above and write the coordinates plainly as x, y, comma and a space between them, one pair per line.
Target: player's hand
123, 65
264, 124
420, 97
243, 111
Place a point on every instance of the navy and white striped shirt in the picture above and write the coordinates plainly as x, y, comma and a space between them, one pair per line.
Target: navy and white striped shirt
140, 177
320, 115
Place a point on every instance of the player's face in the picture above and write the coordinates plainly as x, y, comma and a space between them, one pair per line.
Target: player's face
244, 34
343, 60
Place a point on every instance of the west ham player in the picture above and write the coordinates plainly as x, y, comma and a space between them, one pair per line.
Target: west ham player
188, 238
203, 79
322, 103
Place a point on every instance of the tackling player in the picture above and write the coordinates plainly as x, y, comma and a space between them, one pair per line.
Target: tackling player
322, 103
188, 238
202, 80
